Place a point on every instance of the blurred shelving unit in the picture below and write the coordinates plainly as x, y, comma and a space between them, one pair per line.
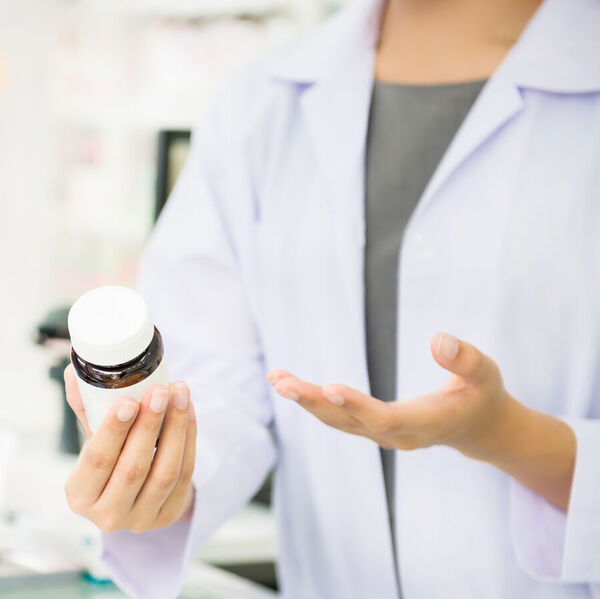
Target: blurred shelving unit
121, 71
185, 8
306, 12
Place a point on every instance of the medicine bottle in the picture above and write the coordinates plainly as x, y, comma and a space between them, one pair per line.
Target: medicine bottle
116, 349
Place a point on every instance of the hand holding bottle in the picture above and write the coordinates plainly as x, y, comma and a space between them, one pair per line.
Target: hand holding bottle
123, 479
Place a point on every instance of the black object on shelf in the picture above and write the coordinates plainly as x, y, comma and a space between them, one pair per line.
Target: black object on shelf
69, 435
54, 326
173, 146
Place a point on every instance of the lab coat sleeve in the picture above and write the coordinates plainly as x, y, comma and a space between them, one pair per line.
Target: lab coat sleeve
190, 277
558, 547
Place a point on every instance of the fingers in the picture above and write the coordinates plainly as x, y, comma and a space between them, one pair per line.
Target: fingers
375, 414
311, 398
141, 488
74, 399
461, 358
417, 422
410, 416
353, 411
275, 376
99, 456
166, 465
134, 463
173, 506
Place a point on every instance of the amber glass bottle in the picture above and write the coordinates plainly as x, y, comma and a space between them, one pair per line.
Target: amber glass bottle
116, 349
121, 375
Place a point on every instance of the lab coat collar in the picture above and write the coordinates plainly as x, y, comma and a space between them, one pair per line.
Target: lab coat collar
547, 56
333, 70
559, 49
327, 49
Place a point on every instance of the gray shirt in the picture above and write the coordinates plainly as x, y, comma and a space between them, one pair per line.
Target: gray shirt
410, 128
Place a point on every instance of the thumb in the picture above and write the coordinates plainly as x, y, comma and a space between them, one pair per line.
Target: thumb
461, 358
74, 399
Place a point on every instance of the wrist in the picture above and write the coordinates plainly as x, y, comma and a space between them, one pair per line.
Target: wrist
537, 449
500, 438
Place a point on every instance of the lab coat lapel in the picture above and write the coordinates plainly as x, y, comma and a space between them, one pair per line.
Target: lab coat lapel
333, 75
542, 59
497, 104
336, 115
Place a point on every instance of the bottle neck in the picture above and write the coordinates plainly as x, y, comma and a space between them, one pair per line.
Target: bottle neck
121, 375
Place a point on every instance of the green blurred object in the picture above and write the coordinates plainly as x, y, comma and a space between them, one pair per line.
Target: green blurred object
203, 582
76, 589
80, 589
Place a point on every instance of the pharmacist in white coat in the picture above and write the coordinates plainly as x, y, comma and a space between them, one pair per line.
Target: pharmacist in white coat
256, 265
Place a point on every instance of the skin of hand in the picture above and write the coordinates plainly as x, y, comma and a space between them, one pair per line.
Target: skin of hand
472, 413
123, 479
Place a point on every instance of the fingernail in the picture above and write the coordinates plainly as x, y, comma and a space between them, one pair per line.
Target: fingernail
126, 411
159, 400
180, 397
448, 346
289, 395
192, 411
273, 378
335, 398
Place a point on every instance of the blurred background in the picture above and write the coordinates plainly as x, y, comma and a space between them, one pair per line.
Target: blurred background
97, 98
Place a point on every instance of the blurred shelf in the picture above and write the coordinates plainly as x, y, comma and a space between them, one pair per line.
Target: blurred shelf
201, 582
122, 119
187, 8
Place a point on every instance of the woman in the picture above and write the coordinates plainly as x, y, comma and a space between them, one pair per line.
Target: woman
465, 134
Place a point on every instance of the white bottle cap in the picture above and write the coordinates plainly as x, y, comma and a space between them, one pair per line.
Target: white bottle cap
110, 325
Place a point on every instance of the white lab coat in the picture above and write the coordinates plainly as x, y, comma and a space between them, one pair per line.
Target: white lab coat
256, 263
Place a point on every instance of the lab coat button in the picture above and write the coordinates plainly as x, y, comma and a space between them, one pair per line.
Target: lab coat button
423, 250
